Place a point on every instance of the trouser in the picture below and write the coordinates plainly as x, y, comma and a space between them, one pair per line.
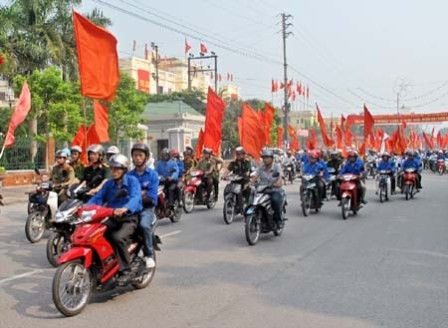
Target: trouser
243, 196
321, 191
216, 187
119, 232
419, 180
361, 190
208, 184
62, 195
277, 202
171, 191
146, 226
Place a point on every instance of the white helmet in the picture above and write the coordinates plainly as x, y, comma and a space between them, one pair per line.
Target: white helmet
119, 161
113, 150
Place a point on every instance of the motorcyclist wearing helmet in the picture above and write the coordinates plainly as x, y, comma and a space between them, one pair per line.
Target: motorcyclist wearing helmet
335, 162
175, 155
265, 174
168, 169
208, 165
122, 226
242, 167
355, 166
111, 151
62, 175
412, 163
440, 155
95, 156
149, 182
76, 162
386, 164
289, 161
189, 161
314, 167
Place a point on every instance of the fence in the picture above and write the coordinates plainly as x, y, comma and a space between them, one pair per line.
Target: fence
19, 156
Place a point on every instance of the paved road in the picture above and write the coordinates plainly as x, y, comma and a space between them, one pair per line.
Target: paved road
387, 267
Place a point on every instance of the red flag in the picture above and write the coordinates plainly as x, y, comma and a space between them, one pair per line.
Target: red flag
240, 129
368, 123
428, 141
279, 137
213, 121
273, 86
187, 46
299, 89
403, 125
311, 142
269, 119
439, 140
339, 142
146, 52
92, 136
97, 58
80, 136
1, 60
204, 49
445, 141
348, 137
21, 110
342, 121
199, 145
253, 132
219, 77
101, 121
282, 85
328, 142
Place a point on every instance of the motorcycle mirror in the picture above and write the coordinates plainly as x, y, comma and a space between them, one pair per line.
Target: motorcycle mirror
121, 193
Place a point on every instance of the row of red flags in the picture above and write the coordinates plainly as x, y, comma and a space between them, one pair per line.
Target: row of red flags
299, 90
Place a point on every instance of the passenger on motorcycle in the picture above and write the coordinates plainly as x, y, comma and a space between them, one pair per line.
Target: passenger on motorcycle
122, 226
168, 169
412, 163
355, 166
111, 151
95, 156
386, 164
264, 174
314, 167
62, 175
208, 164
241, 167
76, 162
149, 182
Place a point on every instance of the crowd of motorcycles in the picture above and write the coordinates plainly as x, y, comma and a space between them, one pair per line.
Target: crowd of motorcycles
76, 240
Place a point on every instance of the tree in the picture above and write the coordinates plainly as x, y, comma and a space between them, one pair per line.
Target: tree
194, 98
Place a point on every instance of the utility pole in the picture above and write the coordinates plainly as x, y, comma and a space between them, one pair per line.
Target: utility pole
155, 47
192, 71
286, 105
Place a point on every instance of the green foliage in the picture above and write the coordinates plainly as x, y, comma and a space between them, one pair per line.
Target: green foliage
194, 98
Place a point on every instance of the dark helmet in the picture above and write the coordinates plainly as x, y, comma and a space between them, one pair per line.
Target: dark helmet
166, 152
119, 161
141, 147
267, 153
61, 154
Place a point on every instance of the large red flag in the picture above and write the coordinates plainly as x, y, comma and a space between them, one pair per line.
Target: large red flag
279, 137
328, 142
339, 140
213, 121
21, 110
269, 113
439, 139
348, 137
240, 129
342, 121
199, 145
187, 46
311, 142
92, 136
445, 141
253, 132
80, 136
101, 121
428, 141
368, 123
97, 58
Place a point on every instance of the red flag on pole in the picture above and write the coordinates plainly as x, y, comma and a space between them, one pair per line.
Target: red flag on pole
328, 142
213, 121
21, 111
199, 145
368, 124
204, 49
428, 141
97, 58
187, 46
101, 121
253, 132
269, 117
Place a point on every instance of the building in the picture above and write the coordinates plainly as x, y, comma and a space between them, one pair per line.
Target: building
229, 91
167, 120
6, 95
304, 119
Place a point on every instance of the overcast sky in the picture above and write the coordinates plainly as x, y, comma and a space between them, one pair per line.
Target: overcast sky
348, 51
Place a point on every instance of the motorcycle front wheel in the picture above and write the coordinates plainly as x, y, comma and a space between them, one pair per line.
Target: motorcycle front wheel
345, 207
177, 214
189, 202
382, 196
306, 204
407, 192
253, 229
229, 210
57, 244
72, 288
211, 201
35, 226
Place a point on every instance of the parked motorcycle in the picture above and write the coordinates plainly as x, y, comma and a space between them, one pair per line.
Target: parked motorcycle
349, 195
91, 264
232, 191
309, 194
259, 217
409, 183
384, 185
162, 209
440, 166
196, 193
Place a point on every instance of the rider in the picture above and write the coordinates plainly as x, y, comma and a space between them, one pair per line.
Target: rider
335, 162
412, 163
207, 164
189, 161
386, 164
62, 175
243, 168
76, 162
440, 155
126, 208
149, 182
180, 164
355, 166
314, 167
168, 169
111, 151
265, 173
95, 156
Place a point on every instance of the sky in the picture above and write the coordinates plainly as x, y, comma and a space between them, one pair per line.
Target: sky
349, 52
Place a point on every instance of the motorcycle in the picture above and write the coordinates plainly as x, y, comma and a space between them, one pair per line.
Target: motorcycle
259, 217
333, 183
384, 185
371, 169
91, 264
288, 174
42, 207
409, 183
349, 195
440, 166
162, 209
231, 195
196, 193
308, 194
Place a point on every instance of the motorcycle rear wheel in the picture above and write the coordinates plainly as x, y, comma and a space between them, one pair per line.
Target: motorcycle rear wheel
228, 211
146, 278
35, 226
79, 280
345, 207
252, 229
189, 202
56, 245
407, 192
175, 217
211, 201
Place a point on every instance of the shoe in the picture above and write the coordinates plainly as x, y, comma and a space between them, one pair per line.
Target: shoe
340, 203
124, 277
280, 225
364, 202
376, 192
149, 262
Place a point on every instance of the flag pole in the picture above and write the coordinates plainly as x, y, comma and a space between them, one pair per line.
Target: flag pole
3, 149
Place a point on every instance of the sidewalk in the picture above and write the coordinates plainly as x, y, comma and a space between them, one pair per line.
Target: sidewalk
16, 195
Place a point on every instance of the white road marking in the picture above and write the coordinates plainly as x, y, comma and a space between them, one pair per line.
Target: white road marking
27, 274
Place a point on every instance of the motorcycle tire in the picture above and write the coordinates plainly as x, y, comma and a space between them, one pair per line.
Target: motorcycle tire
211, 203
412, 193
147, 276
440, 171
189, 199
407, 192
252, 229
176, 216
228, 211
345, 208
35, 221
57, 289
382, 199
56, 244
306, 205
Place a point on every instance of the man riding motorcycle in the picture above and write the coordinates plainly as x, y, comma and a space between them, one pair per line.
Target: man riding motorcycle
76, 162
335, 162
314, 167
189, 161
95, 156
355, 166
241, 167
149, 182
168, 169
264, 174
207, 164
122, 226
62, 175
386, 164
412, 163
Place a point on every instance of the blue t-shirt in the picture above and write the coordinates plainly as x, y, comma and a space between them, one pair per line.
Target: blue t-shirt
167, 169
356, 167
410, 163
314, 169
389, 165
149, 182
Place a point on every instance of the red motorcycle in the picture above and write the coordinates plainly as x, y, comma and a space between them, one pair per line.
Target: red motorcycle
91, 264
409, 183
162, 208
349, 195
196, 192
440, 166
